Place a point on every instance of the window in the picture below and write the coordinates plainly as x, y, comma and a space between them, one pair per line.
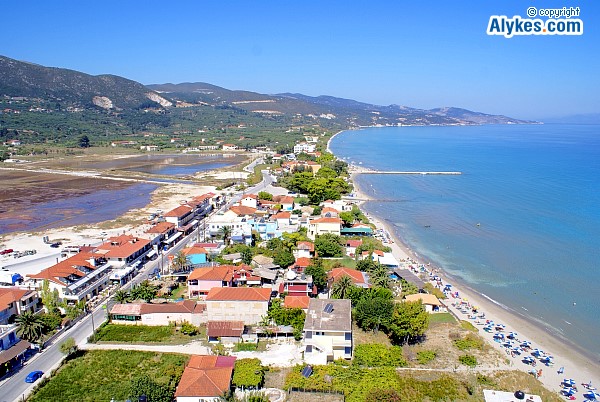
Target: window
348, 336
348, 350
11, 337
308, 348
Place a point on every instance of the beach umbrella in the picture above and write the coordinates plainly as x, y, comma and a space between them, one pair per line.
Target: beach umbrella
569, 381
591, 395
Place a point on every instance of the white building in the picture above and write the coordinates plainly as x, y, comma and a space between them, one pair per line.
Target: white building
328, 331
304, 147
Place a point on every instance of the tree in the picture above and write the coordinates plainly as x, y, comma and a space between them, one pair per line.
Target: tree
373, 314
409, 321
263, 195
49, 298
347, 217
73, 311
283, 257
121, 296
226, 233
328, 245
69, 346
341, 287
247, 255
248, 373
380, 276
367, 264
316, 270
144, 291
29, 326
84, 141
155, 392
180, 261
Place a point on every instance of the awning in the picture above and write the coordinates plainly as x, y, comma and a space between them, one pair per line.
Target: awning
151, 253
14, 351
173, 238
188, 226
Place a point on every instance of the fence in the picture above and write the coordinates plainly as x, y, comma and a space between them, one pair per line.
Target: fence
317, 391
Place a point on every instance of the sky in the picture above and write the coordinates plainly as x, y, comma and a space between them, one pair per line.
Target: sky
422, 54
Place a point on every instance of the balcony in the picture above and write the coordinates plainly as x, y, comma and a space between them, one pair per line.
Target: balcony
83, 285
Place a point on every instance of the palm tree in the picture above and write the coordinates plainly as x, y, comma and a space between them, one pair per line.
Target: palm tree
30, 326
380, 276
341, 287
180, 261
121, 296
226, 233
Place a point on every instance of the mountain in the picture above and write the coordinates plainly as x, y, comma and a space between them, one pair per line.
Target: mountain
328, 110
22, 79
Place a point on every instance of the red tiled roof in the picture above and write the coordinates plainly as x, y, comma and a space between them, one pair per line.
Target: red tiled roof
217, 329
67, 267
239, 294
355, 275
161, 227
284, 199
329, 209
354, 243
219, 273
12, 295
194, 250
241, 210
254, 196
180, 211
206, 376
207, 245
121, 246
303, 262
282, 215
305, 245
296, 302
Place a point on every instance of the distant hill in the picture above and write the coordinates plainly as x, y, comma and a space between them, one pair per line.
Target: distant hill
22, 79
329, 109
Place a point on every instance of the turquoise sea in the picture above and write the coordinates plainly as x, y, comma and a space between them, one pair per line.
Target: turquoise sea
521, 225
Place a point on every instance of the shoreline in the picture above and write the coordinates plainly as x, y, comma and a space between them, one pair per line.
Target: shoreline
576, 364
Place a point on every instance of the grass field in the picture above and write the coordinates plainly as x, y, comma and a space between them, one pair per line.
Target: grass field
441, 318
144, 334
101, 375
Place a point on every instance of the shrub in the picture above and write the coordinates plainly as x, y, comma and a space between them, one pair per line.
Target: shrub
248, 373
245, 347
376, 355
425, 356
468, 360
188, 329
383, 395
469, 342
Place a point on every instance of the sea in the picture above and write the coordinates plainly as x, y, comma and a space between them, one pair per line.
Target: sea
520, 225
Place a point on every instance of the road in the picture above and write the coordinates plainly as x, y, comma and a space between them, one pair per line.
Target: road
15, 388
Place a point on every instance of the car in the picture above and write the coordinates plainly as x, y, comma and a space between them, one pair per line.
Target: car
7, 251
56, 245
34, 376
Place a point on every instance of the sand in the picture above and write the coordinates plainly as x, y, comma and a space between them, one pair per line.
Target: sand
576, 365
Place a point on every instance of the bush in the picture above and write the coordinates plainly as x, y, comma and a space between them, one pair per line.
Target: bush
248, 373
469, 342
468, 360
376, 355
188, 329
425, 356
383, 395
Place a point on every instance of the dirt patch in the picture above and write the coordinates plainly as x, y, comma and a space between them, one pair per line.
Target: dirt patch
314, 397
275, 377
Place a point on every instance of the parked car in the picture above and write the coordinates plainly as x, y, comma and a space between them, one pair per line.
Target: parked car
56, 245
34, 376
6, 251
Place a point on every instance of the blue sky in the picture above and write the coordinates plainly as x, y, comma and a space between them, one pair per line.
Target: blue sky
422, 54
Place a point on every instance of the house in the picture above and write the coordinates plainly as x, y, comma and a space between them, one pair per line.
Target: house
304, 249
282, 219
159, 314
15, 301
339, 205
76, 278
160, 232
301, 264
359, 278
211, 248
205, 379
432, 303
266, 229
328, 212
13, 143
249, 200
328, 331
149, 148
351, 246
202, 204
12, 349
122, 250
195, 255
261, 261
226, 332
202, 280
286, 202
229, 147
123, 143
244, 276
180, 216
317, 227
304, 147
249, 305
296, 302
297, 285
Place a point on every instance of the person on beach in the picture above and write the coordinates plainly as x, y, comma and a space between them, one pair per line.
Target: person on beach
561, 370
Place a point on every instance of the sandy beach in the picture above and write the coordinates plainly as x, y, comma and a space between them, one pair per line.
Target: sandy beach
576, 365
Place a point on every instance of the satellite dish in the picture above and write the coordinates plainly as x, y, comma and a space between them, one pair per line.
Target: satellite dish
291, 275
520, 395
